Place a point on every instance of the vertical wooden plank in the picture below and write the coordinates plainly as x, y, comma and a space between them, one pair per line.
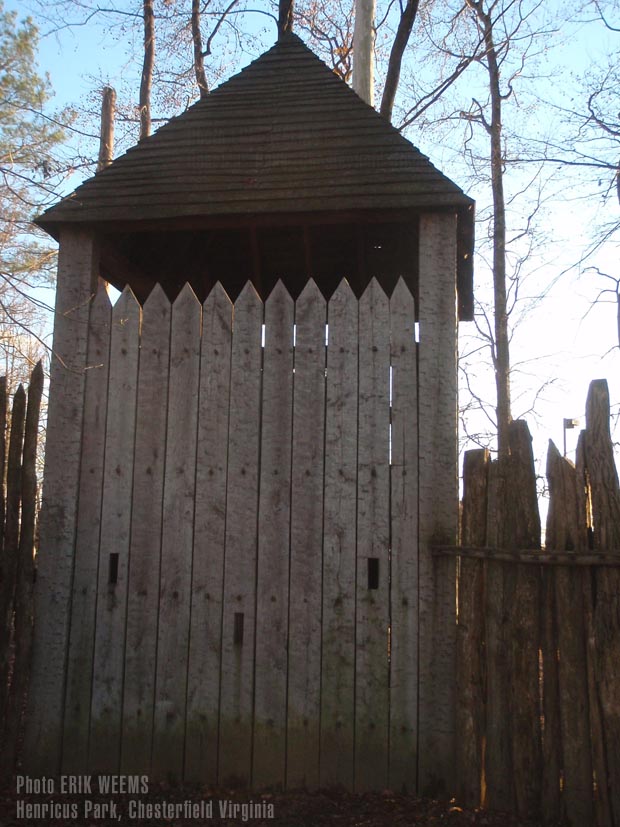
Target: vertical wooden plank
24, 578
404, 533
11, 541
237, 683
470, 699
498, 755
76, 281
273, 543
602, 806
84, 599
177, 538
109, 655
605, 497
339, 543
304, 686
209, 535
566, 531
437, 394
372, 580
521, 524
146, 527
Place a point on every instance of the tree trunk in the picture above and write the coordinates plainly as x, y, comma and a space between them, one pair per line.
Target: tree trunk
199, 61
363, 50
501, 355
147, 69
106, 138
285, 17
403, 33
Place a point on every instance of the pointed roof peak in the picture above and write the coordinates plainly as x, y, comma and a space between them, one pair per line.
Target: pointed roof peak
284, 135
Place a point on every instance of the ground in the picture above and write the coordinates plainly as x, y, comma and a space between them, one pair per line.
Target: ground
335, 808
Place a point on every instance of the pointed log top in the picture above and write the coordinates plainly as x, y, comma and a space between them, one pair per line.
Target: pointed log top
311, 292
374, 292
248, 295
217, 295
157, 297
37, 373
102, 297
597, 405
127, 304
343, 292
20, 392
186, 296
279, 294
401, 293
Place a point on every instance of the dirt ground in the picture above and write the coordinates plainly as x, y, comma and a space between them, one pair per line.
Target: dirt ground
224, 807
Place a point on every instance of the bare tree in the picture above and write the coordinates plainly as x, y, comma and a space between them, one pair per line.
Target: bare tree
146, 82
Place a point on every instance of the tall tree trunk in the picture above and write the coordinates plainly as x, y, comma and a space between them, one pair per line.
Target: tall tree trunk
285, 17
363, 50
403, 33
147, 69
501, 355
106, 137
199, 60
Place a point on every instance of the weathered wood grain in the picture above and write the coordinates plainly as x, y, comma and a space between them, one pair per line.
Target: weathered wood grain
605, 498
146, 527
11, 540
498, 755
373, 538
521, 526
274, 516
75, 286
203, 691
237, 684
304, 686
470, 699
339, 542
24, 575
111, 615
437, 390
602, 807
177, 538
566, 528
84, 598
404, 548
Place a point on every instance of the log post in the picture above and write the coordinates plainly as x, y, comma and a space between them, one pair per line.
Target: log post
438, 509
470, 633
76, 285
605, 493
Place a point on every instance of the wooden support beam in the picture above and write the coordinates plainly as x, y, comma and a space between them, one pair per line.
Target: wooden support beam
77, 280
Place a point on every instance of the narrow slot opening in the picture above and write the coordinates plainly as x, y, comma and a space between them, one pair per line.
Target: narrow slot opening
113, 572
373, 572
238, 632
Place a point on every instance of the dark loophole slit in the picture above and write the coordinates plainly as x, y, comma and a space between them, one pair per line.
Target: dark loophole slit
113, 578
373, 572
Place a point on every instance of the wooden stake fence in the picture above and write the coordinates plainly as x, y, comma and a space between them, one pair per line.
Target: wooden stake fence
539, 670
17, 544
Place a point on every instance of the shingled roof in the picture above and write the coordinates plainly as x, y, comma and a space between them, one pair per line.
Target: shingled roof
285, 134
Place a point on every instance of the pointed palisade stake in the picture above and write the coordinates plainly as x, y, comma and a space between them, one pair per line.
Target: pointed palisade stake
339, 542
146, 527
209, 540
177, 538
109, 657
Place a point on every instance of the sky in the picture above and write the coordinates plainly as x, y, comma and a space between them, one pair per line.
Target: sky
566, 340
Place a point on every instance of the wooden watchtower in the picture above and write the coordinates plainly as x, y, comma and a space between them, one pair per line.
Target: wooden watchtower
250, 454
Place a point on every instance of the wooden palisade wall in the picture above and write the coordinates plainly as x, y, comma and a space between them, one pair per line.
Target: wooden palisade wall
538, 705
242, 522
